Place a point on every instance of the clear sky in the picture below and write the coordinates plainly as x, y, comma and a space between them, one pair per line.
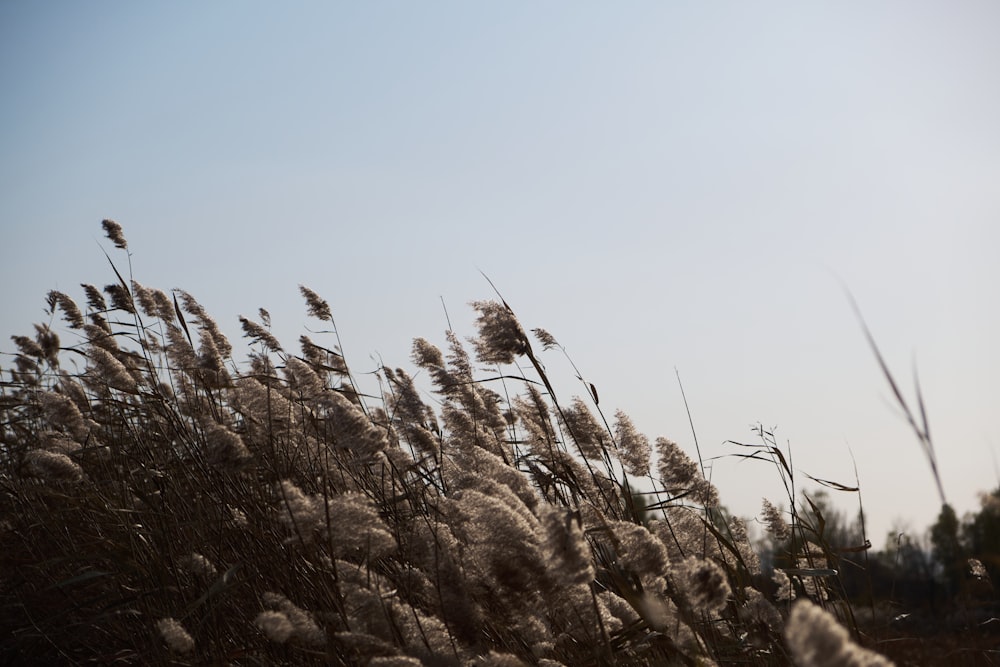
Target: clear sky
660, 185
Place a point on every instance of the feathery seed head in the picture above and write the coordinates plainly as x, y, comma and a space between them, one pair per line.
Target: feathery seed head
977, 569
214, 373
566, 549
164, 305
114, 233
111, 371
58, 443
302, 514
633, 446
275, 625
52, 466
503, 550
776, 524
224, 448
759, 613
28, 347
352, 429
501, 338
144, 296
704, 584
813, 557
618, 607
304, 626
321, 358
62, 412
316, 306
71, 313
786, 592
303, 380
101, 337
48, 340
412, 417
680, 474
495, 659
95, 300
426, 355
121, 298
488, 465
583, 428
174, 634
357, 527
545, 338
207, 325
257, 333
394, 661
816, 639
642, 553
198, 564
179, 350
740, 539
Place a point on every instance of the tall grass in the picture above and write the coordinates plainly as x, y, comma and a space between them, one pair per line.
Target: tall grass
161, 503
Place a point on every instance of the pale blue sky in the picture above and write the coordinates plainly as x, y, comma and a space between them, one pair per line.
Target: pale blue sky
659, 185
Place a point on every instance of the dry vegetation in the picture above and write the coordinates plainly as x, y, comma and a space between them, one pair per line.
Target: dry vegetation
161, 503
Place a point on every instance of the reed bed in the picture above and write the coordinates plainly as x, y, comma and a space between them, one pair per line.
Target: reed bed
163, 503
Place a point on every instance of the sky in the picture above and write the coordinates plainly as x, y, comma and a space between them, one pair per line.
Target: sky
678, 188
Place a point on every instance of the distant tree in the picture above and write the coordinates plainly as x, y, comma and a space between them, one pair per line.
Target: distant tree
904, 572
982, 533
825, 537
826, 524
946, 548
907, 553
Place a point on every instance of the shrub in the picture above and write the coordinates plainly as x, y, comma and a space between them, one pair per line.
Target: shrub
164, 503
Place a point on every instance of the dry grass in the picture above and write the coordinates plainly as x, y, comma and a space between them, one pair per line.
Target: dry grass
162, 504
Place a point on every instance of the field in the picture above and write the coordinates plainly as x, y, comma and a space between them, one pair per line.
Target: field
162, 503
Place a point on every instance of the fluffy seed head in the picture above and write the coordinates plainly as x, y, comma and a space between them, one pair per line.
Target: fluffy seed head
52, 466
501, 337
642, 553
28, 347
357, 527
776, 524
58, 443
583, 428
815, 639
174, 634
224, 448
704, 583
48, 340
121, 298
679, 474
316, 306
198, 564
114, 233
304, 626
258, 333
62, 412
425, 354
547, 340
977, 569
275, 625
633, 446
301, 513
94, 298
786, 592
352, 428
757, 611
69, 309
112, 371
